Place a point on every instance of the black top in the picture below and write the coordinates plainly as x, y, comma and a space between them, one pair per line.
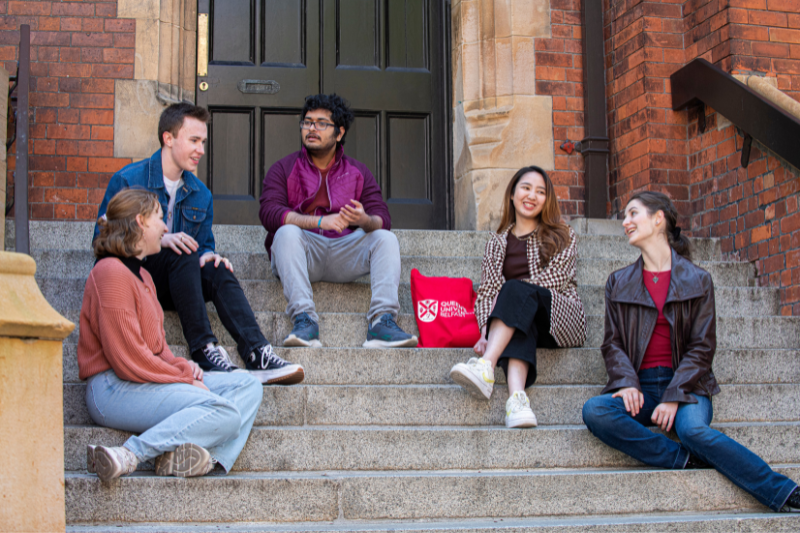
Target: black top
134, 264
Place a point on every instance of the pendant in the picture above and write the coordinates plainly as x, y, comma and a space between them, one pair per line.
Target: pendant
655, 279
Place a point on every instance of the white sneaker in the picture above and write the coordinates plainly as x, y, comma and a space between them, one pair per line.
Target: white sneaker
111, 463
187, 460
476, 375
518, 411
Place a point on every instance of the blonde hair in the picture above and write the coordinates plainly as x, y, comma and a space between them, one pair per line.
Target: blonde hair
119, 231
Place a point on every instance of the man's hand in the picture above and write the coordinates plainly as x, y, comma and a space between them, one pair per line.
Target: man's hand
208, 256
355, 215
664, 415
179, 242
335, 222
633, 398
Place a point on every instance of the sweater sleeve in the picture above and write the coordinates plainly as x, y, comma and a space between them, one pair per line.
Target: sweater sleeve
491, 280
274, 198
127, 353
372, 199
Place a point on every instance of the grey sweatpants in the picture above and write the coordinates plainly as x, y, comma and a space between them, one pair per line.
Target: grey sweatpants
300, 258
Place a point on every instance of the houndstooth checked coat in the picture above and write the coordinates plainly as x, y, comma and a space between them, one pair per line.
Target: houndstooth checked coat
567, 319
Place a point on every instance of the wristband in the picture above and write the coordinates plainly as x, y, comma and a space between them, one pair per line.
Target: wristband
319, 223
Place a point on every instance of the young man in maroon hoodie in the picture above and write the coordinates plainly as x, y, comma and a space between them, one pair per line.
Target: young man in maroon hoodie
327, 221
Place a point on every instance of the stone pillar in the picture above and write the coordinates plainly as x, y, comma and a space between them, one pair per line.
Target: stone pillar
500, 124
3, 132
164, 71
31, 402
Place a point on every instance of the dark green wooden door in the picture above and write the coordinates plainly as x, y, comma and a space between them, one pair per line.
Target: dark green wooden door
385, 57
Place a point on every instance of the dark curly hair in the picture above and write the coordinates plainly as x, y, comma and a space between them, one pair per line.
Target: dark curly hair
341, 115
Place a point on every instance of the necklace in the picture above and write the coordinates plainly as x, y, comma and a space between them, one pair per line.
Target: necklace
655, 279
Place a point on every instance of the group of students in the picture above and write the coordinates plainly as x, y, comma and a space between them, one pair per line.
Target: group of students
155, 250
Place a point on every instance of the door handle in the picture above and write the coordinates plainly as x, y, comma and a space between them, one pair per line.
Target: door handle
258, 86
202, 44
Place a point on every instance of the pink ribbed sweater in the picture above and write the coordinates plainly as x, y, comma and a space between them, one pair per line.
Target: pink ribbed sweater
122, 327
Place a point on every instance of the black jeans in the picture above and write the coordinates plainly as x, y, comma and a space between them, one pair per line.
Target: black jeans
526, 308
185, 287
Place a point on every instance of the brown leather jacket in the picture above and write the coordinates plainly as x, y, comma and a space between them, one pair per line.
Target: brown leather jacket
631, 317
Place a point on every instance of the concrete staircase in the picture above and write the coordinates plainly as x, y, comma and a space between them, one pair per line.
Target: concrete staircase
380, 440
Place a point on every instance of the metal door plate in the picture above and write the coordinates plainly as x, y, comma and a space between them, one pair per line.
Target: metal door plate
258, 86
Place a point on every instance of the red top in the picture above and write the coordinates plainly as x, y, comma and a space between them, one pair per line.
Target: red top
321, 198
659, 351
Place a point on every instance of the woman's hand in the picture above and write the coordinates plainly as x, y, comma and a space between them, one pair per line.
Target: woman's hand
633, 398
179, 242
480, 346
197, 372
200, 385
664, 415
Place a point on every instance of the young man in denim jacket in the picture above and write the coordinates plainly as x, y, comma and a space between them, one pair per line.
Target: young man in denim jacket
188, 272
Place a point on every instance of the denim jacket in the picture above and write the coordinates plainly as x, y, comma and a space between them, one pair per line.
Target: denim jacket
194, 207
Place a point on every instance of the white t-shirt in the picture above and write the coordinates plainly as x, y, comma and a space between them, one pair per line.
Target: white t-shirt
171, 187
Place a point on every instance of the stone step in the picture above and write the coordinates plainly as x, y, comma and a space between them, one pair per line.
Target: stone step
350, 329
59, 264
267, 295
661, 522
431, 366
431, 495
598, 238
273, 449
450, 405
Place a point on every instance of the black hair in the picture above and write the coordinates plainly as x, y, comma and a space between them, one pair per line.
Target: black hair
654, 202
172, 118
341, 115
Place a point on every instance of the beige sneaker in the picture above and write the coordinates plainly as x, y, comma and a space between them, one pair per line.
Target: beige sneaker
518, 411
188, 460
111, 463
476, 376
90, 459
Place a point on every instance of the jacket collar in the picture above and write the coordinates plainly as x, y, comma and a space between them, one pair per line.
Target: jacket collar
156, 174
684, 283
337, 157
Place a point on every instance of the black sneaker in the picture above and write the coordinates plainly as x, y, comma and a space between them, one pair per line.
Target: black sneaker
215, 359
387, 334
792, 504
305, 332
694, 463
271, 369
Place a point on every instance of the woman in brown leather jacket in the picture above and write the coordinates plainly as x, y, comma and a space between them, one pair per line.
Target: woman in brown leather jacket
660, 339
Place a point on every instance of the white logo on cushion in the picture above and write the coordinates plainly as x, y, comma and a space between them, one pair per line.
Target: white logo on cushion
427, 310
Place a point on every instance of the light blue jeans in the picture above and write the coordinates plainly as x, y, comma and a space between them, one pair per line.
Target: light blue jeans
168, 415
300, 258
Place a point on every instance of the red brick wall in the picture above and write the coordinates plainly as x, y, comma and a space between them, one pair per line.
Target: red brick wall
78, 49
753, 210
559, 73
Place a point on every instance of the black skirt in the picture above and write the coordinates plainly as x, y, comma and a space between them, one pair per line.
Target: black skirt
526, 308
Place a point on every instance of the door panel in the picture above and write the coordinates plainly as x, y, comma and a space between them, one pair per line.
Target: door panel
386, 57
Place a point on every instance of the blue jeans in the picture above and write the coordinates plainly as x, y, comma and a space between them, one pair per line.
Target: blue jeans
608, 420
168, 415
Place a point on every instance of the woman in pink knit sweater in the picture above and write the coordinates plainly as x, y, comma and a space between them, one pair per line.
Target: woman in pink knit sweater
187, 421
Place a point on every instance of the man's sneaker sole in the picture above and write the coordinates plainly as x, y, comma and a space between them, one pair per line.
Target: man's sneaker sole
188, 460
521, 420
377, 343
293, 340
289, 375
474, 385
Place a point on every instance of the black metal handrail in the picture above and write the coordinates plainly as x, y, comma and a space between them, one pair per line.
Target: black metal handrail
701, 83
22, 234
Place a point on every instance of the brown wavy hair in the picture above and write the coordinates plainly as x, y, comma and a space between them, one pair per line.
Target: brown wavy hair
553, 233
119, 232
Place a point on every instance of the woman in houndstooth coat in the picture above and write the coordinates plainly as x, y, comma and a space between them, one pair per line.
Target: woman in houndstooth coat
528, 297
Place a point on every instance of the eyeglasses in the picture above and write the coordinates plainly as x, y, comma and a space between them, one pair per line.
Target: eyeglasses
319, 126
